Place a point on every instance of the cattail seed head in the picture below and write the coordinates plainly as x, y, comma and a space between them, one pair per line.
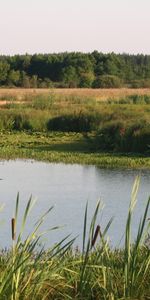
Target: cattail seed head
97, 231
13, 228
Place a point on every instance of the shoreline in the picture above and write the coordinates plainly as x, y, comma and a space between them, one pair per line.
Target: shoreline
72, 150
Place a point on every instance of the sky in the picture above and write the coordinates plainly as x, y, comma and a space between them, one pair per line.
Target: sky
48, 26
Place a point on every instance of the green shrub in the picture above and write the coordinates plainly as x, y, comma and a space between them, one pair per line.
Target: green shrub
109, 137
137, 138
81, 122
107, 81
117, 137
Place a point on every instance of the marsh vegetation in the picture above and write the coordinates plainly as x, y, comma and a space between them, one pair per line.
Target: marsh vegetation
108, 129
96, 271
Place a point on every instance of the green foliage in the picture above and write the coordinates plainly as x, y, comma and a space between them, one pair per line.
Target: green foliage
69, 76
82, 122
116, 137
34, 81
107, 81
141, 83
4, 68
13, 78
25, 80
76, 70
86, 79
137, 138
108, 137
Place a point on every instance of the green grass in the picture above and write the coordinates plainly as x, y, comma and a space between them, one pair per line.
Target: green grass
96, 272
64, 147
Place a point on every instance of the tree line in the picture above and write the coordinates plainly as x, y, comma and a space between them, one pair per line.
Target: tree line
71, 70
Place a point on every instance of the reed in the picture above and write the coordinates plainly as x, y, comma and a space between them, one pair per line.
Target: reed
63, 272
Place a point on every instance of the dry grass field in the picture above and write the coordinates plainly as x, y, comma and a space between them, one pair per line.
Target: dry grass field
98, 94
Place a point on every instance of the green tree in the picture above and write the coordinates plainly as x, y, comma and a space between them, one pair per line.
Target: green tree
69, 76
86, 79
25, 80
13, 78
4, 68
34, 81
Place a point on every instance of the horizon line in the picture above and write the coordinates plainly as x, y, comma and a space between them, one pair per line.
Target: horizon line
81, 52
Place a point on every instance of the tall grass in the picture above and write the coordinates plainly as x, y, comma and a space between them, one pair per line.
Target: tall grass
135, 273
131, 99
64, 272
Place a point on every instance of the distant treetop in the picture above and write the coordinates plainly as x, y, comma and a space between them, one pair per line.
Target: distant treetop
75, 69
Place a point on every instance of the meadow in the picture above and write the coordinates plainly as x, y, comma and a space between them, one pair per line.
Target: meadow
109, 128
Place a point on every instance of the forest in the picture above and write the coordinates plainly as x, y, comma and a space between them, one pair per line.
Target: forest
73, 70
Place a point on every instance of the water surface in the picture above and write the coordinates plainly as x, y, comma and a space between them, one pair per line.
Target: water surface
68, 188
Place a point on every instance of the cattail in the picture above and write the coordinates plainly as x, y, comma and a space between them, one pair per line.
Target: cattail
97, 231
13, 228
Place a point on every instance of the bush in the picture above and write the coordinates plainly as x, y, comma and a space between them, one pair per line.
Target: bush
73, 123
107, 81
137, 138
109, 137
116, 137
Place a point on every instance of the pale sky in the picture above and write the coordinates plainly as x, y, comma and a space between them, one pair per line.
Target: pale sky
47, 26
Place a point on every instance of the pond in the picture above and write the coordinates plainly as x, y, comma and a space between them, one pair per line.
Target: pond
68, 188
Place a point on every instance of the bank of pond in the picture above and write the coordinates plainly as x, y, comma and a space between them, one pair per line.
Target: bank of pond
67, 148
